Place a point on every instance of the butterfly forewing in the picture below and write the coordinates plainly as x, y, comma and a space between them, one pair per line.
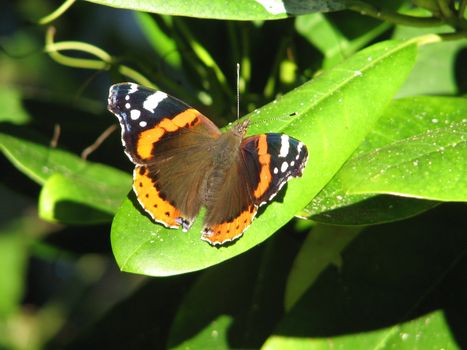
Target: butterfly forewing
170, 139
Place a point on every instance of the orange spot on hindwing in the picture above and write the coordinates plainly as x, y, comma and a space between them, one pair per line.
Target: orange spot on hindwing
145, 145
152, 200
229, 230
264, 158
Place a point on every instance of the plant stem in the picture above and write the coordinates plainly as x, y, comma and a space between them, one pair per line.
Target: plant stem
436, 38
446, 10
104, 62
136, 76
57, 13
453, 36
393, 17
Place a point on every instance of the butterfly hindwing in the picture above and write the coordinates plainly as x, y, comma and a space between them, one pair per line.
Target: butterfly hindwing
151, 198
234, 208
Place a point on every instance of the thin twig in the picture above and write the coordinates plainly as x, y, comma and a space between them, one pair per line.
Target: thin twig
88, 150
56, 136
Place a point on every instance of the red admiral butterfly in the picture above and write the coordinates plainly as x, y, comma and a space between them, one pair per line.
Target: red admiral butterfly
184, 162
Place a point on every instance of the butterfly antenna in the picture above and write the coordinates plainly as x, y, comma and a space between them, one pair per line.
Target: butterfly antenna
238, 91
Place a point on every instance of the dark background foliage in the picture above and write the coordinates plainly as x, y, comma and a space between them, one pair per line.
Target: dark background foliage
378, 264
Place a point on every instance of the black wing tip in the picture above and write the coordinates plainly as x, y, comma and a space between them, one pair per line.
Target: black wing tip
118, 91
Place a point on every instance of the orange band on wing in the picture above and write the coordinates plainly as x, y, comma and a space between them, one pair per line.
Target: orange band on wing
228, 231
152, 200
147, 139
265, 172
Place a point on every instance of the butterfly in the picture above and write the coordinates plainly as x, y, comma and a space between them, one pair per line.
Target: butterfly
183, 162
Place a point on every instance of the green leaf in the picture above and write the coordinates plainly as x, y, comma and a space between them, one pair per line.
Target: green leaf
167, 49
236, 10
77, 199
163, 45
337, 42
363, 209
13, 250
405, 120
423, 332
69, 181
430, 165
426, 332
330, 115
321, 248
13, 254
19, 228
220, 313
12, 110
435, 70
388, 291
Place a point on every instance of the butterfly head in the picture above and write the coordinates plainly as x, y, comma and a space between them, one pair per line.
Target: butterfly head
240, 129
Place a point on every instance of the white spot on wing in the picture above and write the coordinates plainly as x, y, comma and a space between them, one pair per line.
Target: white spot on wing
133, 88
299, 150
127, 97
284, 166
152, 101
284, 146
275, 170
127, 105
134, 114
142, 123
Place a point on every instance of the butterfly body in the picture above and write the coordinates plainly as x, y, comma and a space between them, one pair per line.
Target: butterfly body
184, 162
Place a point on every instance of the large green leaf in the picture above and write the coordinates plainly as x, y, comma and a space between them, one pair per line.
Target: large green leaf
339, 39
437, 64
331, 114
321, 248
365, 209
78, 199
236, 10
69, 181
220, 313
430, 331
389, 292
402, 124
430, 165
